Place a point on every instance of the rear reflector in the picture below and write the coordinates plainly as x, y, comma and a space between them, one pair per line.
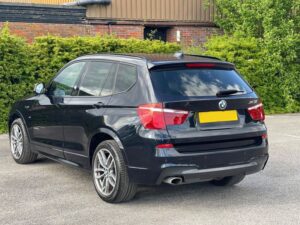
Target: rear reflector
264, 136
154, 116
257, 112
165, 146
200, 65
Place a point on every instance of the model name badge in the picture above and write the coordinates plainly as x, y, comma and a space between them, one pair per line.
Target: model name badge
252, 102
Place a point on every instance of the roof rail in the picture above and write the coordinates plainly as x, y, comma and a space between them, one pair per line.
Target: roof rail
204, 56
115, 54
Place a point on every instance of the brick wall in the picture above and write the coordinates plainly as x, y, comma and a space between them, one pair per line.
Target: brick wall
31, 30
122, 31
190, 35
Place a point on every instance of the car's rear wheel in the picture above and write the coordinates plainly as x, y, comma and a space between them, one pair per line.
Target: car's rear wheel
110, 174
19, 143
228, 181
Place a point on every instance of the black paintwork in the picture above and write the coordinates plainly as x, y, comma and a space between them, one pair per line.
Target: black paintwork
68, 129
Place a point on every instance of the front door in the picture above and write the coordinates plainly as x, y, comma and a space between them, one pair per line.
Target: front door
47, 113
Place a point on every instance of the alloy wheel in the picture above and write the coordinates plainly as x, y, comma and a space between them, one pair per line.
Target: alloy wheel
16, 141
105, 173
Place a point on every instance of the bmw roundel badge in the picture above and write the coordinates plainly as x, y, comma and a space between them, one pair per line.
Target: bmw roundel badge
222, 104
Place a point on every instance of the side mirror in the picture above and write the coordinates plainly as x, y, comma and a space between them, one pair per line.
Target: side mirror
39, 88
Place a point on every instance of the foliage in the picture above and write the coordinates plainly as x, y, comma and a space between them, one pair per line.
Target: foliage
262, 39
15, 70
256, 64
22, 64
257, 18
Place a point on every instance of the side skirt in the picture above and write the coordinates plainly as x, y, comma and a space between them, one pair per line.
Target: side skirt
63, 161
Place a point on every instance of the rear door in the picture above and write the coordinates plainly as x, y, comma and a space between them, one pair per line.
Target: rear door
215, 118
84, 112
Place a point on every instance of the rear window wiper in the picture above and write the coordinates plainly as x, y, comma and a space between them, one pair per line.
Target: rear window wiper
228, 92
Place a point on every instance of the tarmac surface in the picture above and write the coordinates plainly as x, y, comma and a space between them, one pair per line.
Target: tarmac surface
47, 192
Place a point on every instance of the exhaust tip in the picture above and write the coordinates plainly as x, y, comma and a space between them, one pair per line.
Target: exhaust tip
173, 180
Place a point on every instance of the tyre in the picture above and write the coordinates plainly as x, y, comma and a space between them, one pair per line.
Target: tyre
110, 175
19, 143
228, 181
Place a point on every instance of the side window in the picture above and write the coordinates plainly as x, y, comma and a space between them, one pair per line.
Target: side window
95, 78
64, 83
126, 77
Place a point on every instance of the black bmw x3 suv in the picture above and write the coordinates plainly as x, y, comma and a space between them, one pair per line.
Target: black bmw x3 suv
144, 120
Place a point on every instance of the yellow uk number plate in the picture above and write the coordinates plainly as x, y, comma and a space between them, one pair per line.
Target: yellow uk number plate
218, 116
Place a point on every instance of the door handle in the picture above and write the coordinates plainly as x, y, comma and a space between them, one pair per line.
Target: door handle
98, 105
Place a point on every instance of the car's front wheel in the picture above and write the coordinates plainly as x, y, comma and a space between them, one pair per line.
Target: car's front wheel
110, 174
19, 143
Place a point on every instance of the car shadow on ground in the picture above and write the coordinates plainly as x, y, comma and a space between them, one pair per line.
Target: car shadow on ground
44, 160
145, 193
258, 188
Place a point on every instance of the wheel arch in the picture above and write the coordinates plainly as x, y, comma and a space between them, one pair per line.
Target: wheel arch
103, 134
16, 115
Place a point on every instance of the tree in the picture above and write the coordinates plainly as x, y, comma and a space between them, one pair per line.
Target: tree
264, 34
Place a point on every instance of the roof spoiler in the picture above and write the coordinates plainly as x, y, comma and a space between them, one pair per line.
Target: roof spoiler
191, 65
180, 55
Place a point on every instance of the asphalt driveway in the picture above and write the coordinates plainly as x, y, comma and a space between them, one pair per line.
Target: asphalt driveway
50, 193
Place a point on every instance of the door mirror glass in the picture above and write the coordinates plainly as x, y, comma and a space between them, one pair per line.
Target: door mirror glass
39, 88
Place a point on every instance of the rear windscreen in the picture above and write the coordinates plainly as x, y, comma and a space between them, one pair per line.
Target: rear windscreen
197, 82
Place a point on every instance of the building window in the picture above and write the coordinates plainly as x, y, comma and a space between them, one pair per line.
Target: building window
156, 33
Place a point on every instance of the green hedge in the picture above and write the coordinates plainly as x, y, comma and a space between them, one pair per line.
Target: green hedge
275, 77
262, 37
276, 80
15, 72
22, 64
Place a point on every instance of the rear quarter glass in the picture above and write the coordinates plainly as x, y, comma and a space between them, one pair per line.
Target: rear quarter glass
184, 83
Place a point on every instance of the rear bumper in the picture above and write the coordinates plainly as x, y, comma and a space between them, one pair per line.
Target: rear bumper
201, 167
192, 175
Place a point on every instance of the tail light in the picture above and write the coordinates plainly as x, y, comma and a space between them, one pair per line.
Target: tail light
154, 116
257, 112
